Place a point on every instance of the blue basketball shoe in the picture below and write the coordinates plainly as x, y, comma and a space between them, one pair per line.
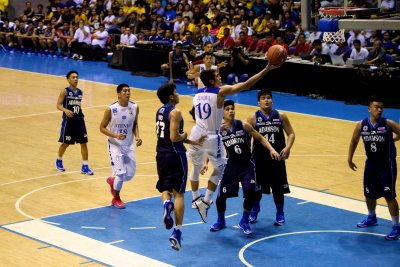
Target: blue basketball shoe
176, 239
219, 225
394, 234
280, 219
254, 213
367, 222
59, 165
168, 209
85, 170
245, 228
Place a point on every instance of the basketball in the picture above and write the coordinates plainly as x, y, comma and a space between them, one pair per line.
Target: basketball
276, 55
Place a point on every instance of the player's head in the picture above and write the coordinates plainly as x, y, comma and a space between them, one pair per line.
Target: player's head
263, 92
166, 92
121, 86
70, 73
209, 77
72, 77
207, 57
375, 106
229, 109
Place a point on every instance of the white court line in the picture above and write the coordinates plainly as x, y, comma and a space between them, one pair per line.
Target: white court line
115, 242
201, 222
304, 202
82, 245
93, 227
241, 252
71, 172
53, 112
143, 228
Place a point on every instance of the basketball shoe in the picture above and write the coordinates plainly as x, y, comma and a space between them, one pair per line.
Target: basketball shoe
168, 209
245, 228
202, 208
194, 201
394, 234
59, 165
110, 182
219, 225
254, 213
85, 170
176, 239
118, 203
280, 219
367, 222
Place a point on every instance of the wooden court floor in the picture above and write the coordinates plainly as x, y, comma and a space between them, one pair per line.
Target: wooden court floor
30, 186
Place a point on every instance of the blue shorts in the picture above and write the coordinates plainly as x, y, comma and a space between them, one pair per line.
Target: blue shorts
271, 174
229, 186
73, 131
172, 171
380, 179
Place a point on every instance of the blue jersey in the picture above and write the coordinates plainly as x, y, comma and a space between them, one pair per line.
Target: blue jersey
72, 101
378, 140
272, 129
164, 143
237, 145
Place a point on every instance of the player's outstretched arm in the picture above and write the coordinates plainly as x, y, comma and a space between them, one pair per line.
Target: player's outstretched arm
236, 88
353, 145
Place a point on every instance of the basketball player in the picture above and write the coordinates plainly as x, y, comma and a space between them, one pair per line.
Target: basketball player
271, 174
208, 103
122, 119
171, 160
73, 128
380, 167
236, 136
207, 64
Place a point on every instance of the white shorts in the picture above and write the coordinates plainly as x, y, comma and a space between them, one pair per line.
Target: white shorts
213, 146
123, 161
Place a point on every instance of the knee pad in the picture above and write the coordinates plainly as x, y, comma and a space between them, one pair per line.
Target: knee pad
195, 173
217, 174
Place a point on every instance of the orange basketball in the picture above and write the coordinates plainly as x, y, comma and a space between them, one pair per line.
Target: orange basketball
276, 55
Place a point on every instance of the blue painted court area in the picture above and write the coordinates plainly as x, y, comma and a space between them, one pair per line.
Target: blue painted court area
314, 235
99, 72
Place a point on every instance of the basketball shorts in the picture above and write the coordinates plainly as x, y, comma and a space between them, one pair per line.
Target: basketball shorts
123, 161
172, 171
213, 146
229, 186
380, 179
73, 131
271, 175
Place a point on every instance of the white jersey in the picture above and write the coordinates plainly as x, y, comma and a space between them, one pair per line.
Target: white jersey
200, 83
122, 120
208, 116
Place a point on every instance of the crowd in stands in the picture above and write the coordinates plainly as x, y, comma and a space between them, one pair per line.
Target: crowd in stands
83, 29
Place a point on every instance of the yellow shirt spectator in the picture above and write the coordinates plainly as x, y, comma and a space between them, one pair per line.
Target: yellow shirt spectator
82, 16
221, 31
128, 10
140, 10
3, 5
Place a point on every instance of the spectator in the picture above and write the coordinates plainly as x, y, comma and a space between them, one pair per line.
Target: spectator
358, 52
226, 42
81, 38
206, 36
280, 41
256, 44
387, 5
269, 41
178, 24
97, 47
178, 64
109, 19
29, 12
342, 50
387, 43
376, 56
237, 64
187, 12
318, 49
158, 8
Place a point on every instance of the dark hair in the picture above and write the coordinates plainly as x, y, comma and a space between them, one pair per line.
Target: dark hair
206, 76
374, 98
165, 91
229, 102
356, 41
120, 87
317, 42
263, 92
207, 54
71, 72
